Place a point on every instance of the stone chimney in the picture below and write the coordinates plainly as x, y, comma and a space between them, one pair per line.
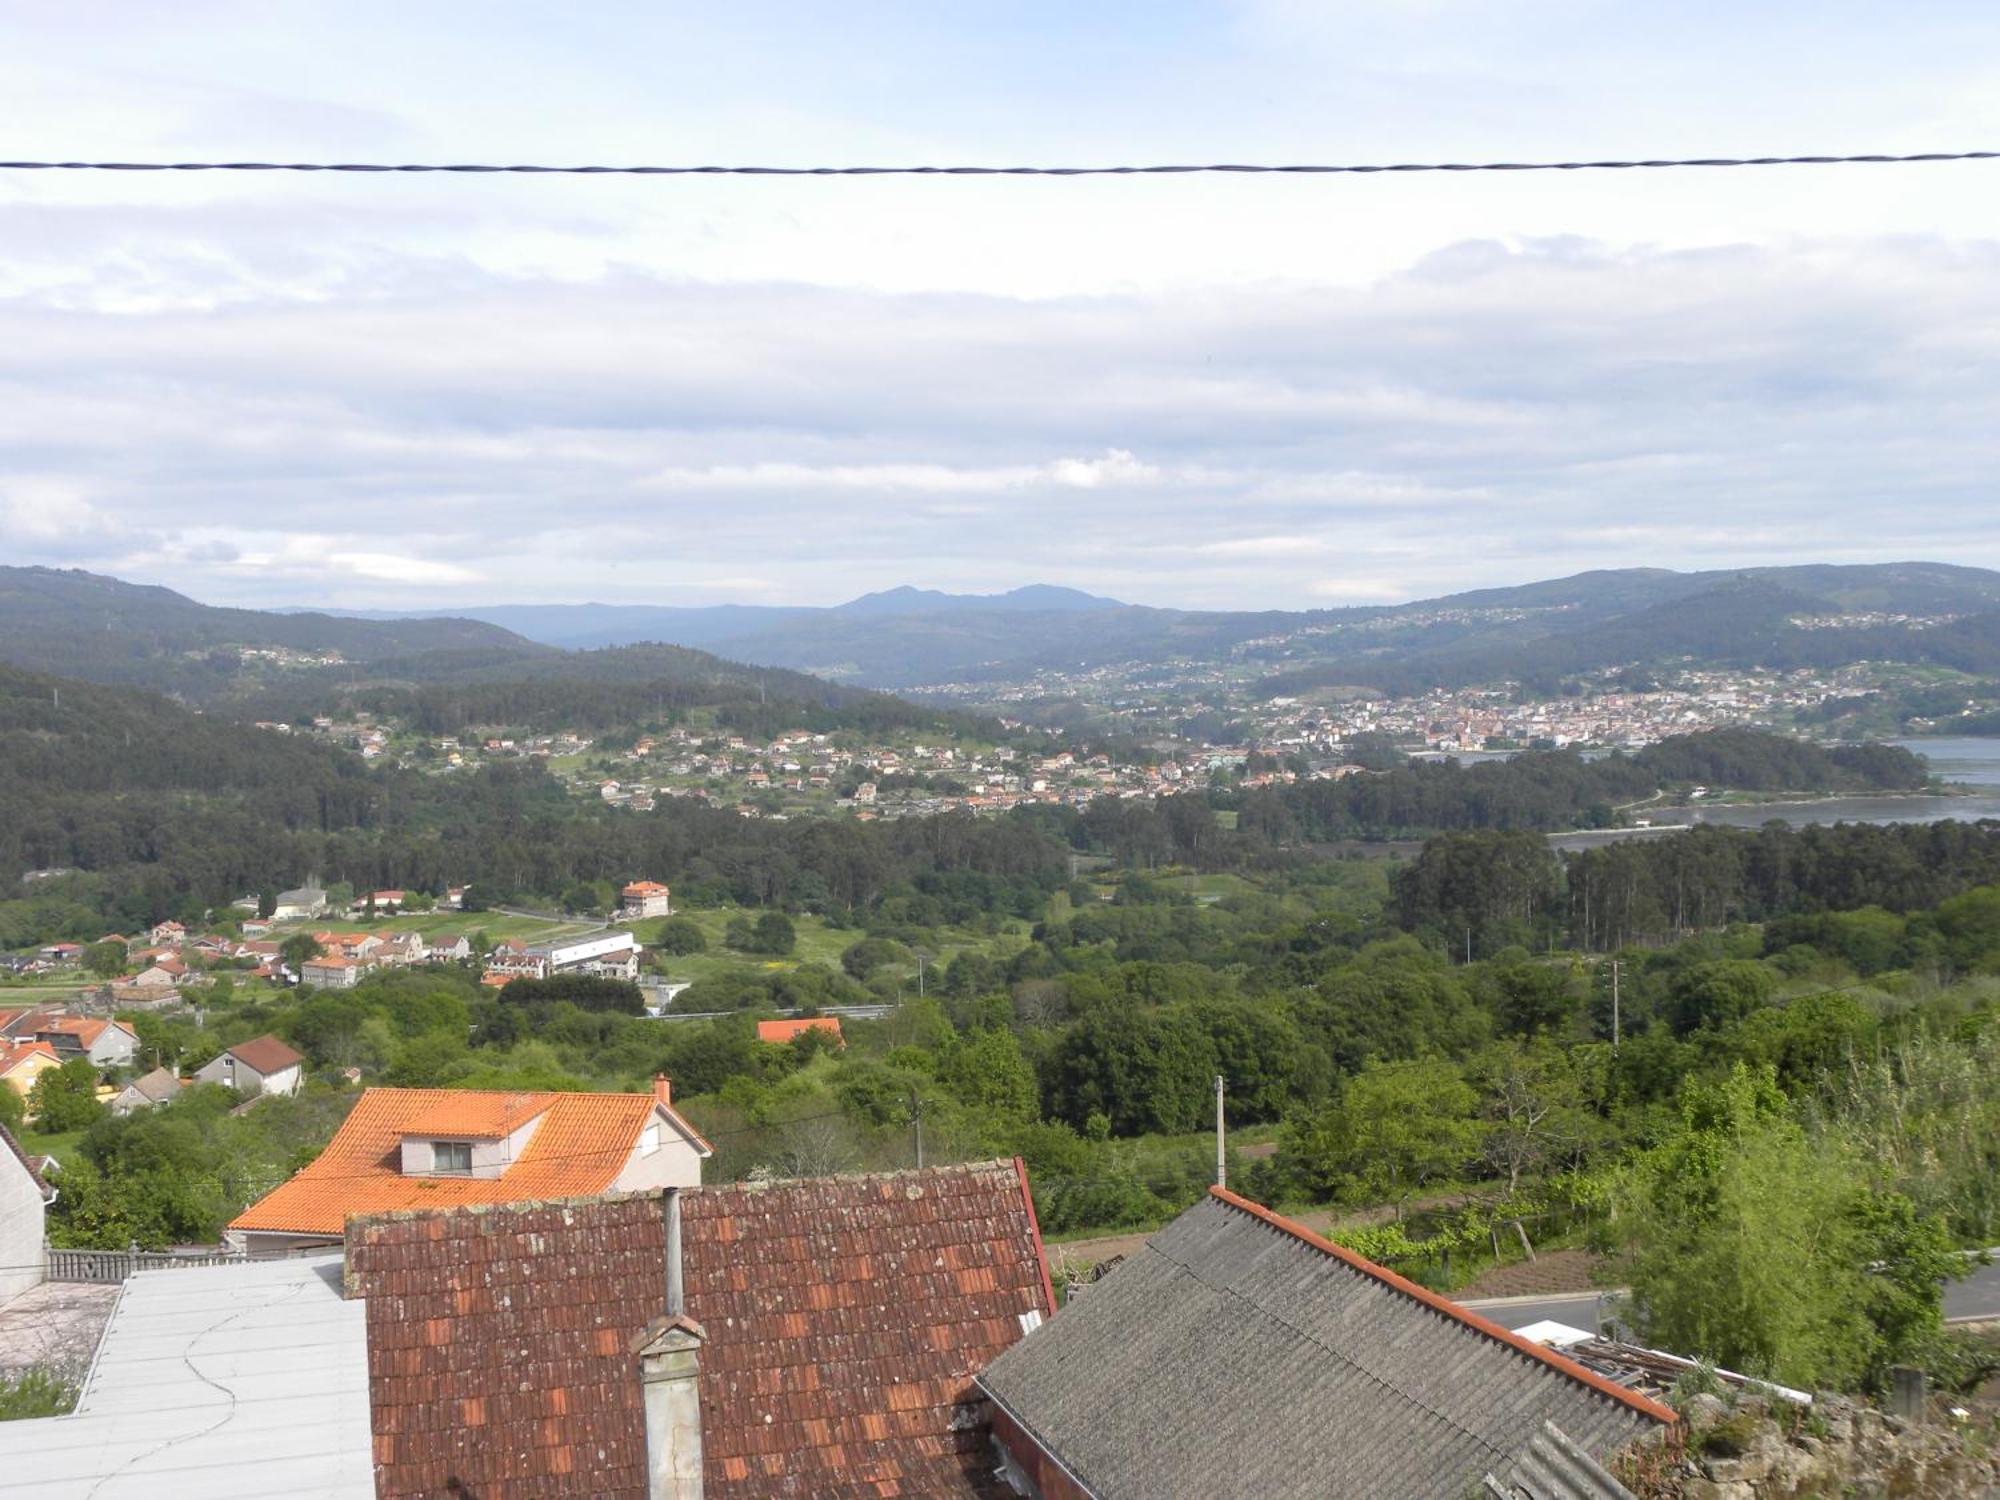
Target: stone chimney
670, 1387
663, 1089
670, 1375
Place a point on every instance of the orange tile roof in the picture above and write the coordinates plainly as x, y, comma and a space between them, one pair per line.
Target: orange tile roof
24, 1052
784, 1031
480, 1115
578, 1150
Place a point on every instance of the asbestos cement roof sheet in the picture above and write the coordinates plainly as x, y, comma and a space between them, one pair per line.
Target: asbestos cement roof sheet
1240, 1354
228, 1381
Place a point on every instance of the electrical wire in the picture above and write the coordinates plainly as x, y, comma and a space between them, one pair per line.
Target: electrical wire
1307, 169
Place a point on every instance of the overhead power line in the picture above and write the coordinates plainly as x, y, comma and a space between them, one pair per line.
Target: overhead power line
1158, 170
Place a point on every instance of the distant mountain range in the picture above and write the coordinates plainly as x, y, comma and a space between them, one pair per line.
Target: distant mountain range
913, 640
581, 626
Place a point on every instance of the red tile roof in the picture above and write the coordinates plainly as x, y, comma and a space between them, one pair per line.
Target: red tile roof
844, 1320
265, 1054
577, 1150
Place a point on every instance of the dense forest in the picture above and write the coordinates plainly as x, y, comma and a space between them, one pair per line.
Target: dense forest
158, 811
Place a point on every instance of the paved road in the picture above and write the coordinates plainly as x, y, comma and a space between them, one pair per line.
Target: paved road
1972, 1299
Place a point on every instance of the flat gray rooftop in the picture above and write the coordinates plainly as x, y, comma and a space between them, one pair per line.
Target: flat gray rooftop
220, 1381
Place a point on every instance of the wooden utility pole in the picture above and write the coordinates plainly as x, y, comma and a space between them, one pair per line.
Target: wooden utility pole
917, 1121
1221, 1156
1614, 1006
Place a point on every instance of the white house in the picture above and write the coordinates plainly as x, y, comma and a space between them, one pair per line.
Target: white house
156, 1087
411, 1148
306, 901
24, 1201
108, 1044
263, 1066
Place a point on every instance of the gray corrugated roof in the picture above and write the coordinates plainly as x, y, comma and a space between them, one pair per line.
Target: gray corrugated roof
221, 1381
1234, 1357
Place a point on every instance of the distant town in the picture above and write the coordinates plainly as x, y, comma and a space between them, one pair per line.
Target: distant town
1280, 739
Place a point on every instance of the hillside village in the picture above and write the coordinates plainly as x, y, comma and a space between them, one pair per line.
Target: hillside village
1282, 739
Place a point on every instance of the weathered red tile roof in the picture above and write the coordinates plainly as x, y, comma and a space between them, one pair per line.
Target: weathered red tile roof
266, 1054
578, 1149
844, 1318
784, 1031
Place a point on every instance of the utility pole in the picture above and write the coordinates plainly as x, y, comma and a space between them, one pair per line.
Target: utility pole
1614, 1005
917, 1121
1221, 1157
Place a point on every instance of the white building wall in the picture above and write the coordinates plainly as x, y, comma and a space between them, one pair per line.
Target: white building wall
674, 1161
22, 1257
114, 1048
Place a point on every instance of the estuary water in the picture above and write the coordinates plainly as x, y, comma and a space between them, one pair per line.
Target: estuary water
1970, 762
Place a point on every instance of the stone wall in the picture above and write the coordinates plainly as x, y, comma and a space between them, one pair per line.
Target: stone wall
1764, 1448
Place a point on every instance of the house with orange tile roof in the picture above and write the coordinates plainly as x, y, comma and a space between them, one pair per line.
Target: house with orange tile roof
441, 1148
263, 1066
332, 971
784, 1032
647, 898
108, 1044
21, 1063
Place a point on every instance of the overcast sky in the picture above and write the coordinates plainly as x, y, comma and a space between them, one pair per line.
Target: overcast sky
1215, 392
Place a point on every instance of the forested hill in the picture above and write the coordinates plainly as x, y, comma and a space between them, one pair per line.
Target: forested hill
78, 624
1549, 790
442, 675
1812, 615
620, 686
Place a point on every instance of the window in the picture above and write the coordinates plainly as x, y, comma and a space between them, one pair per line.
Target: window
452, 1157
649, 1139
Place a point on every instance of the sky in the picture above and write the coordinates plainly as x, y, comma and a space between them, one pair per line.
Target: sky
1227, 392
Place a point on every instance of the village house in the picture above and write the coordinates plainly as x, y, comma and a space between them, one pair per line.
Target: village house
306, 901
24, 1200
263, 1066
21, 1063
332, 972
419, 1148
647, 898
108, 1044
683, 1348
604, 955
451, 950
146, 1091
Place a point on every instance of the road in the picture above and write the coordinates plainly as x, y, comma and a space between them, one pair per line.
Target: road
1972, 1299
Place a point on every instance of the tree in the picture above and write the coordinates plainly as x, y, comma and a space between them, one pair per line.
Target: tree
297, 949
679, 937
1533, 1107
1719, 993
65, 1098
864, 958
1758, 1246
105, 959
775, 934
1395, 1128
988, 1074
